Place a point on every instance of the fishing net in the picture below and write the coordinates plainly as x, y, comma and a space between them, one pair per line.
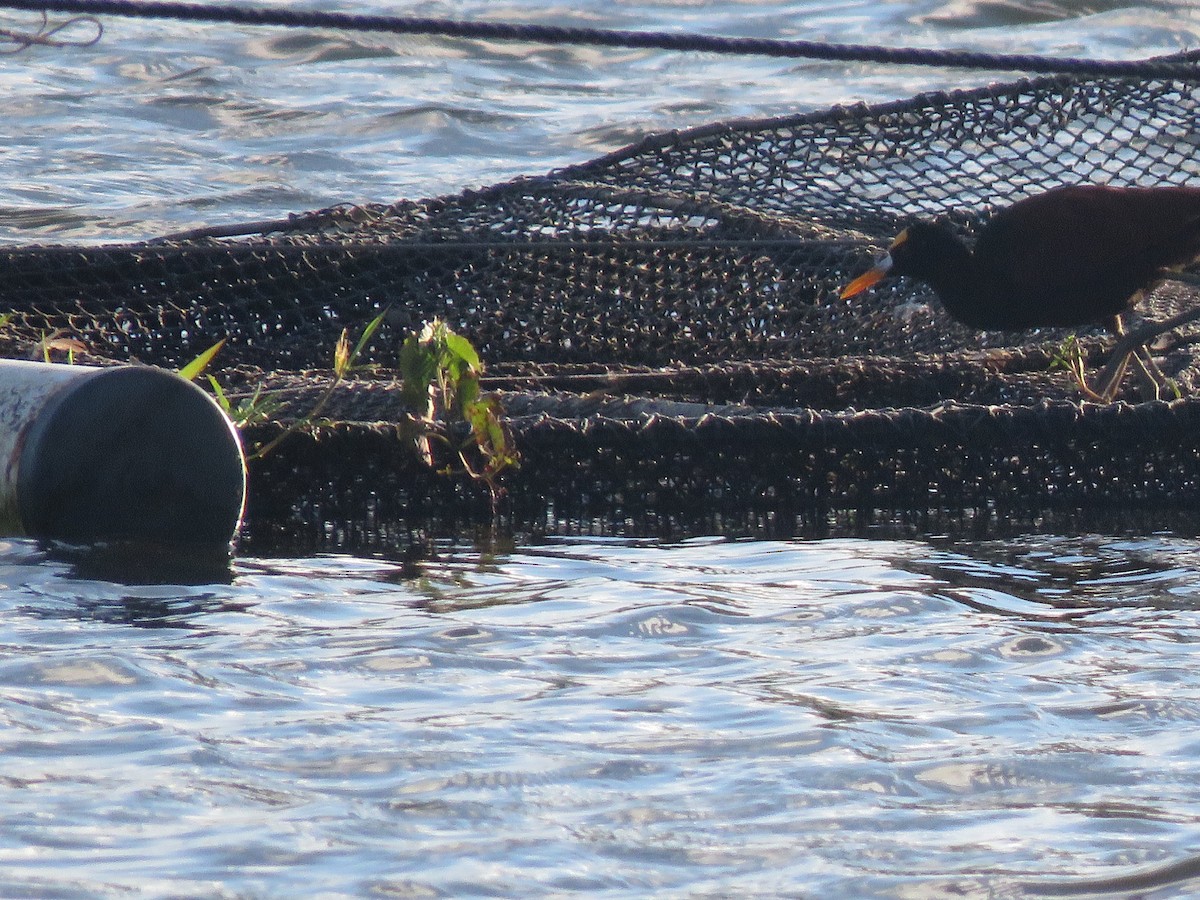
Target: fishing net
662, 325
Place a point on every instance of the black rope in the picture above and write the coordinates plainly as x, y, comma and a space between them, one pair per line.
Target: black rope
1180, 66
47, 35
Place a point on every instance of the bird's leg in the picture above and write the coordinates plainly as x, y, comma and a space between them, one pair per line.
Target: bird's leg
1107, 384
1152, 376
1138, 341
1151, 330
1113, 373
1128, 348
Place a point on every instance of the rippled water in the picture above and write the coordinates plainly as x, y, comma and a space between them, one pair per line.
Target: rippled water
624, 718
167, 125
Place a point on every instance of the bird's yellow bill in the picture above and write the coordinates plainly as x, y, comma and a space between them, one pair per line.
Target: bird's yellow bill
877, 273
866, 280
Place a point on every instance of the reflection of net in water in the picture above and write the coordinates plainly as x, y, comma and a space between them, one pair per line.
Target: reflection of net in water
664, 317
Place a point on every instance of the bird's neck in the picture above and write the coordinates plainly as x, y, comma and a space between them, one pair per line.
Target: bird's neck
961, 285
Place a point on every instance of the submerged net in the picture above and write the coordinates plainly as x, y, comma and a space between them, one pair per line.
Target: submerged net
664, 329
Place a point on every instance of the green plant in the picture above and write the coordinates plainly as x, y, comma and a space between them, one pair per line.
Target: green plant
249, 410
441, 372
1069, 355
345, 361
259, 406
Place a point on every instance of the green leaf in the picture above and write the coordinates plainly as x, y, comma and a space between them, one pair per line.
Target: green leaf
461, 349
418, 368
467, 394
196, 367
366, 336
219, 393
496, 436
487, 431
477, 416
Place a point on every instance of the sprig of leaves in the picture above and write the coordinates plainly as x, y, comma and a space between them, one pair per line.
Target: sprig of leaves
260, 406
345, 361
1069, 355
257, 407
441, 372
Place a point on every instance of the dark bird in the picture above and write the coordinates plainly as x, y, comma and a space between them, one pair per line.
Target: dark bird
1071, 256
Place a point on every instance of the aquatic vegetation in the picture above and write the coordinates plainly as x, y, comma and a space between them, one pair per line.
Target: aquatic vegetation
441, 372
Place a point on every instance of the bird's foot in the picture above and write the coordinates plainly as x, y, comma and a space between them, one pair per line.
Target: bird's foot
1070, 356
1134, 345
1109, 380
1153, 384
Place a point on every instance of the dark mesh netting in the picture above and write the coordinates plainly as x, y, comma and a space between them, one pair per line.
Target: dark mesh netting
663, 326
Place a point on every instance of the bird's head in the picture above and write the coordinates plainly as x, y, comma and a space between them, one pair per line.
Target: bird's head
919, 251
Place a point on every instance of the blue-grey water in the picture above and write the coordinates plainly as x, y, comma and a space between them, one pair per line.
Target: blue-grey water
922, 718
165, 125
831, 718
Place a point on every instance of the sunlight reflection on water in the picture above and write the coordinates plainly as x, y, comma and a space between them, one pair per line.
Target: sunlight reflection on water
163, 126
827, 716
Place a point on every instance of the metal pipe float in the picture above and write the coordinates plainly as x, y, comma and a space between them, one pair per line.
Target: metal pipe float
123, 453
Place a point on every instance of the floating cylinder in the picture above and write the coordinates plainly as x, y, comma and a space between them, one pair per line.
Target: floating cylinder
114, 454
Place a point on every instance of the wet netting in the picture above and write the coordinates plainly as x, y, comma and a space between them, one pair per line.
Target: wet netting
663, 328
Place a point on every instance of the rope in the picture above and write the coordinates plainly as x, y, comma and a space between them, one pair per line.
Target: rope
1172, 67
47, 34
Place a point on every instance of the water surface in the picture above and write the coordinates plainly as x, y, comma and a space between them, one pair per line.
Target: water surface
167, 125
817, 718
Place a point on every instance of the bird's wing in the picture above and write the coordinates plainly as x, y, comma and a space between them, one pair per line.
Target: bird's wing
1075, 235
